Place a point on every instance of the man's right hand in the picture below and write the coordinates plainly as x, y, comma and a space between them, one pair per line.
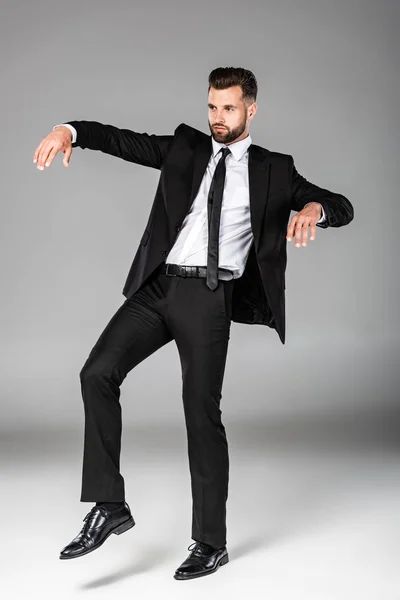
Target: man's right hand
58, 140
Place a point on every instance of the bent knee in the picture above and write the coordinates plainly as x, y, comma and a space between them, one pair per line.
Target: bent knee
93, 370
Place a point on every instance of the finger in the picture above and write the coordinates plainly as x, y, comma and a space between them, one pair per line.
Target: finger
313, 231
290, 229
43, 154
67, 156
298, 230
37, 151
49, 149
51, 156
305, 232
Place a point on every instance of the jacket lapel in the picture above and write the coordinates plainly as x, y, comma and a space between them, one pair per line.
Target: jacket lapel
202, 153
259, 178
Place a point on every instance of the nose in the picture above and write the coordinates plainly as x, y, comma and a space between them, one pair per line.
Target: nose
219, 119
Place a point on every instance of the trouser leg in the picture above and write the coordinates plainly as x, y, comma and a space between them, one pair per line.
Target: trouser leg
135, 331
199, 320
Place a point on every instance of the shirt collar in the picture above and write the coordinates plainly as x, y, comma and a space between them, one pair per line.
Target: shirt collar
237, 148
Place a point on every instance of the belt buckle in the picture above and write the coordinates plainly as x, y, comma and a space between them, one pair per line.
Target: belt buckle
183, 271
167, 272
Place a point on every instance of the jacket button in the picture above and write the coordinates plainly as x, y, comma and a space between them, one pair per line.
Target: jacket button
164, 252
177, 229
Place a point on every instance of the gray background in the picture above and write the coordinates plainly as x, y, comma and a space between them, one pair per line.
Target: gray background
328, 94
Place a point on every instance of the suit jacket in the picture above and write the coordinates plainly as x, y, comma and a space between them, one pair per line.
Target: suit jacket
275, 188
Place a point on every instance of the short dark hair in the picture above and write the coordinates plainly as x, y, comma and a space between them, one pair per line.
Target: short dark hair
224, 77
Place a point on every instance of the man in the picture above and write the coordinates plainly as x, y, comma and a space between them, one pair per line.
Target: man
213, 251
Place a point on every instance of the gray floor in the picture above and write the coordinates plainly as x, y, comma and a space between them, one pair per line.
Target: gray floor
313, 513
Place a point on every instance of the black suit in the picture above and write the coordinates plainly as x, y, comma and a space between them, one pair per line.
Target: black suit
161, 308
276, 188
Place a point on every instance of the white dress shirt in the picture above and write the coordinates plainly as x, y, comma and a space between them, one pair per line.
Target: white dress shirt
236, 236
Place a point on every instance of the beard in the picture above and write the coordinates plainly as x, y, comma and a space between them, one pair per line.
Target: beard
227, 135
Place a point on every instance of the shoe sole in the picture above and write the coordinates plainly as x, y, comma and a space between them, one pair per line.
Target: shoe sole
222, 561
128, 524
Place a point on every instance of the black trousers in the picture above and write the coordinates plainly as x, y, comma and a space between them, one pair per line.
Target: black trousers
198, 319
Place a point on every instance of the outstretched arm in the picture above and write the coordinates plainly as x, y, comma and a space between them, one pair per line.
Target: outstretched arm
141, 148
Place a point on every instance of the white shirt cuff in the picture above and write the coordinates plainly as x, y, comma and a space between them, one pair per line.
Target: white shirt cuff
323, 216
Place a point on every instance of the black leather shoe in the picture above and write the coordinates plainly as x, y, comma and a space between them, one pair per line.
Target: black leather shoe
202, 560
99, 524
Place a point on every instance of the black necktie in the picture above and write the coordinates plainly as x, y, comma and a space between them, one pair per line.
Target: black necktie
214, 203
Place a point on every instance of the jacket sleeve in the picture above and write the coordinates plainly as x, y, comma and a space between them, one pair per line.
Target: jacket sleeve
141, 148
338, 210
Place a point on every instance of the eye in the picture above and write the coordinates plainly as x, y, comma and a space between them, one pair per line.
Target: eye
228, 108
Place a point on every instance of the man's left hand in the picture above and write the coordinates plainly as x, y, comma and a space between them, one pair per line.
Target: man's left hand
306, 217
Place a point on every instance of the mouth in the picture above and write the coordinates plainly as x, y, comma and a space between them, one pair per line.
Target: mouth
220, 128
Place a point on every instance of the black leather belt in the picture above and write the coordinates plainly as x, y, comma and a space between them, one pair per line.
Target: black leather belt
191, 271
